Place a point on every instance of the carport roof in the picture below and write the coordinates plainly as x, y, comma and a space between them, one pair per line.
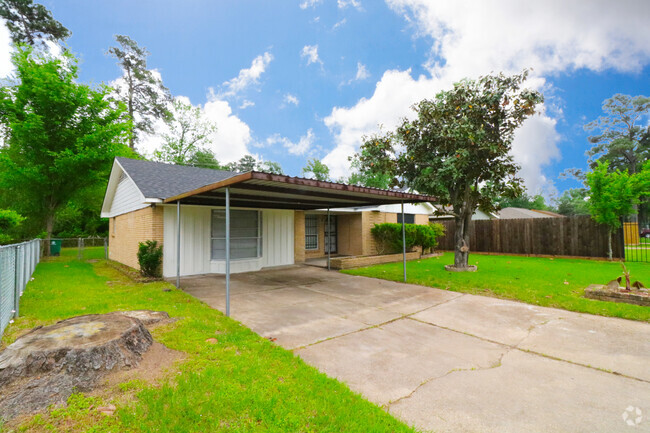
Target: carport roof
170, 183
264, 190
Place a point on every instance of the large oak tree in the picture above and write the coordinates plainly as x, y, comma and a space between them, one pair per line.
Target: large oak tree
458, 148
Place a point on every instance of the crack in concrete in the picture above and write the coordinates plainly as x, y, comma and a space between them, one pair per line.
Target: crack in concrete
454, 370
378, 325
532, 352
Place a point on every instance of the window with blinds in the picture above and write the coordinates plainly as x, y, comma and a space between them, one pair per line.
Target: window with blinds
245, 234
409, 218
311, 232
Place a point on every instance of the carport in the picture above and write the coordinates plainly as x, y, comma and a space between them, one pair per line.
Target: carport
271, 191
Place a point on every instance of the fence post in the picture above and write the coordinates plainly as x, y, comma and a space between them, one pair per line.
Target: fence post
105, 248
16, 285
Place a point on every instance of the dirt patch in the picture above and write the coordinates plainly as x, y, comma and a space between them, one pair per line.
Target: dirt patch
133, 274
156, 364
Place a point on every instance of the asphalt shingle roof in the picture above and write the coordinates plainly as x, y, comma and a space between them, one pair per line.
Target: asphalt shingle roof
160, 180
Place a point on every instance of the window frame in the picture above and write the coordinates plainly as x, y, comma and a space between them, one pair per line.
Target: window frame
259, 236
316, 218
407, 216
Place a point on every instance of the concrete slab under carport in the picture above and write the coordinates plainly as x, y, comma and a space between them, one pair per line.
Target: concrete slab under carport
446, 361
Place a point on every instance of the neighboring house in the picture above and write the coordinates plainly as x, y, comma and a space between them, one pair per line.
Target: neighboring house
478, 215
521, 213
275, 220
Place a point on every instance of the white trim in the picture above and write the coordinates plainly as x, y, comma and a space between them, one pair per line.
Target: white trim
113, 181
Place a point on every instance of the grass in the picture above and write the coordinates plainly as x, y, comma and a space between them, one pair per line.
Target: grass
243, 383
549, 282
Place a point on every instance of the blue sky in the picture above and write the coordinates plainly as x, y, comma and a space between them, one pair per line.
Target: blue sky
291, 80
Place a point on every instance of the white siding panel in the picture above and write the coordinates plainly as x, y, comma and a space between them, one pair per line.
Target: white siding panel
277, 242
278, 238
127, 198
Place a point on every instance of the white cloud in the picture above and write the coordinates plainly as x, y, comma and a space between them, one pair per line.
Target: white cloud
339, 23
248, 76
291, 99
393, 96
475, 38
310, 52
229, 143
342, 4
245, 104
309, 4
534, 146
300, 148
362, 72
6, 67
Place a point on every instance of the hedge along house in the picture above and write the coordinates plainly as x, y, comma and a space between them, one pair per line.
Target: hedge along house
212, 221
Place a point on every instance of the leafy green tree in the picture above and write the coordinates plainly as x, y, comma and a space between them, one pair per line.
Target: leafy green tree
573, 202
621, 140
189, 132
9, 220
245, 163
458, 148
30, 23
315, 169
612, 195
525, 201
368, 165
142, 92
80, 217
270, 167
61, 136
205, 158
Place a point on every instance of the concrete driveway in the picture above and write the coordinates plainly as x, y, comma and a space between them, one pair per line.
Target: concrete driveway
446, 361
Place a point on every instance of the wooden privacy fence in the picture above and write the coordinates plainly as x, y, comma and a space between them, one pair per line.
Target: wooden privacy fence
572, 236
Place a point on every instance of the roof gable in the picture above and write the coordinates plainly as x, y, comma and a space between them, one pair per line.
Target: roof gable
160, 181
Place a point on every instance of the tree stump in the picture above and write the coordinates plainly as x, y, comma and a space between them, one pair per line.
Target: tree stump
45, 365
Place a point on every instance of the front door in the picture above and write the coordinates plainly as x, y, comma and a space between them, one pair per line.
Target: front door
330, 235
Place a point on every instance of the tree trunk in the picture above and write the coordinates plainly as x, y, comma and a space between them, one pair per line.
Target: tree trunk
461, 237
609, 243
47, 364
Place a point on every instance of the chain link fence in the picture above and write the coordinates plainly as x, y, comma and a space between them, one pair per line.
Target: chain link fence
17, 263
86, 248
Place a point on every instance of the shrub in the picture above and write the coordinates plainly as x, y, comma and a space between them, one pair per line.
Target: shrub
427, 236
389, 236
150, 258
9, 220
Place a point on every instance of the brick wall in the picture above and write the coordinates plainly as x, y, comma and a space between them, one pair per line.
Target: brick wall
349, 230
354, 237
359, 261
421, 219
128, 230
299, 236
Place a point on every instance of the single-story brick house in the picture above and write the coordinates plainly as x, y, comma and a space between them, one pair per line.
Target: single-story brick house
275, 220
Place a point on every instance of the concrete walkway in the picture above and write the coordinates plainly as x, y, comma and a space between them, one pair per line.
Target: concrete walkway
451, 362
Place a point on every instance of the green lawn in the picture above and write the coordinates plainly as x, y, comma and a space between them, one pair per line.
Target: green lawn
549, 282
244, 383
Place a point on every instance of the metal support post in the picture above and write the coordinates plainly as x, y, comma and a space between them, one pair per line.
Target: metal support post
178, 244
403, 242
329, 241
228, 252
